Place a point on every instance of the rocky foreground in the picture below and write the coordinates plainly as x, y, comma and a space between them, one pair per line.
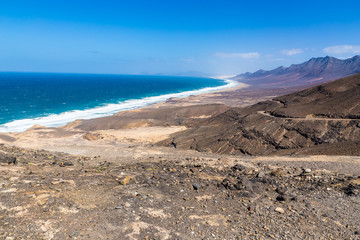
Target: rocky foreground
46, 195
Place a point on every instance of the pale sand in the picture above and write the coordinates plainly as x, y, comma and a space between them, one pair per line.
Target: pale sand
88, 143
140, 135
223, 96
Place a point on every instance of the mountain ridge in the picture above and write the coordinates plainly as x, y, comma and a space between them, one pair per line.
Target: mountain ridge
314, 71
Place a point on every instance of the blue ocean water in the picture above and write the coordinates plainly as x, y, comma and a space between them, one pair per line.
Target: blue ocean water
52, 99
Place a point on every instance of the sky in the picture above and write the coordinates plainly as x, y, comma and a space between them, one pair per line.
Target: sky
173, 36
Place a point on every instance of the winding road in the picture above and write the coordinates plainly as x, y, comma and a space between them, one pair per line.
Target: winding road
309, 118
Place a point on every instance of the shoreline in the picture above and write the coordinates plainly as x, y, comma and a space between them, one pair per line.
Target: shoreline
64, 118
198, 99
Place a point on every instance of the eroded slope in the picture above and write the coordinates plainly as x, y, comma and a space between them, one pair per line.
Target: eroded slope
325, 114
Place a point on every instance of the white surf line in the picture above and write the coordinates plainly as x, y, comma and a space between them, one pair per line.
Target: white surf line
56, 120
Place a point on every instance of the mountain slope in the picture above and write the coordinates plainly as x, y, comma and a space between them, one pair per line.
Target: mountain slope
316, 70
337, 99
325, 114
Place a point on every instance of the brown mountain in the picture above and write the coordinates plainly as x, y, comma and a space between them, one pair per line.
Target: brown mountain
323, 117
314, 71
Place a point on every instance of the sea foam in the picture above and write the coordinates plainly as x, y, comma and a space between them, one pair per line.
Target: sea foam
56, 120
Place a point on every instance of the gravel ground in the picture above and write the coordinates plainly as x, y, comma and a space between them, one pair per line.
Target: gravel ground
46, 195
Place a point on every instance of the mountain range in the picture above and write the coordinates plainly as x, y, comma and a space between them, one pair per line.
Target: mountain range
314, 71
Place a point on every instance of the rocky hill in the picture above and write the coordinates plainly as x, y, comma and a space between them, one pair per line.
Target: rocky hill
316, 70
326, 115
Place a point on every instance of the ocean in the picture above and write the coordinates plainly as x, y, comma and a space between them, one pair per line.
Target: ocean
55, 99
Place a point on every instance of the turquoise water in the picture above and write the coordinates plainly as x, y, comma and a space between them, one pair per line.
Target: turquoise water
53, 99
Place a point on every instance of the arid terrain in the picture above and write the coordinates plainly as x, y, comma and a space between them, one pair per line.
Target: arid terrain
175, 194
324, 115
226, 167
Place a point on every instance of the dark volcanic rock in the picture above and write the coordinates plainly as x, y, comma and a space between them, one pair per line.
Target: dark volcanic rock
196, 186
4, 158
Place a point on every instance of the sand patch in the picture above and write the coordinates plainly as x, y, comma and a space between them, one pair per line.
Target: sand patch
2, 206
157, 213
136, 227
47, 228
202, 116
140, 134
9, 190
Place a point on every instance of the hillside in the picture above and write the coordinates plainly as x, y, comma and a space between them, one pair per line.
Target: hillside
314, 71
324, 115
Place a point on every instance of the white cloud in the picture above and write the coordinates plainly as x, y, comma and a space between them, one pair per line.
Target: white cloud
341, 49
291, 52
238, 55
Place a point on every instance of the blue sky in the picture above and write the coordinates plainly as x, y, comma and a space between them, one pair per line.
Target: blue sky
169, 37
